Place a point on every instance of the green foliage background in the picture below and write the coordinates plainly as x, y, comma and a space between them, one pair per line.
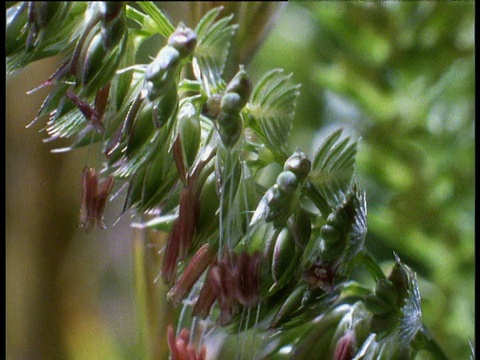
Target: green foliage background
398, 74
401, 75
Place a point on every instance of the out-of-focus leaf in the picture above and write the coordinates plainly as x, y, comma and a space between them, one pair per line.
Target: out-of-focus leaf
212, 48
272, 108
333, 166
162, 25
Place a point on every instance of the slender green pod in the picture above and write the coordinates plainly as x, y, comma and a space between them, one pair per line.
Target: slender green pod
283, 254
291, 304
230, 128
189, 131
15, 35
113, 23
165, 108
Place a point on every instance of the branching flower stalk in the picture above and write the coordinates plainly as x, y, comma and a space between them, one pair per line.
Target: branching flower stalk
244, 254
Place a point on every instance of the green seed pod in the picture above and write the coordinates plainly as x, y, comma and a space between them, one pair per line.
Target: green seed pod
45, 18
330, 234
134, 193
279, 206
231, 103
313, 251
212, 107
160, 175
184, 40
189, 131
257, 239
287, 182
156, 90
301, 228
166, 108
241, 85
45, 11
122, 84
274, 199
230, 128
113, 148
141, 130
93, 60
113, 23
282, 254
209, 202
299, 164
161, 72
15, 38
113, 32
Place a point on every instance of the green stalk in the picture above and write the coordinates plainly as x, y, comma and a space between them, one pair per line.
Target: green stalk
154, 310
144, 328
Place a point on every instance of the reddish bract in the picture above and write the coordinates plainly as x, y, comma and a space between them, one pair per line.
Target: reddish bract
94, 198
181, 349
234, 281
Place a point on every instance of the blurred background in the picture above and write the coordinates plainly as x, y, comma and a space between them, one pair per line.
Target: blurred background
398, 74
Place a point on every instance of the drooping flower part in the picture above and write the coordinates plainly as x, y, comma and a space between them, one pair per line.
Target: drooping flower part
195, 268
233, 281
170, 255
223, 285
181, 349
206, 298
180, 239
94, 199
247, 279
